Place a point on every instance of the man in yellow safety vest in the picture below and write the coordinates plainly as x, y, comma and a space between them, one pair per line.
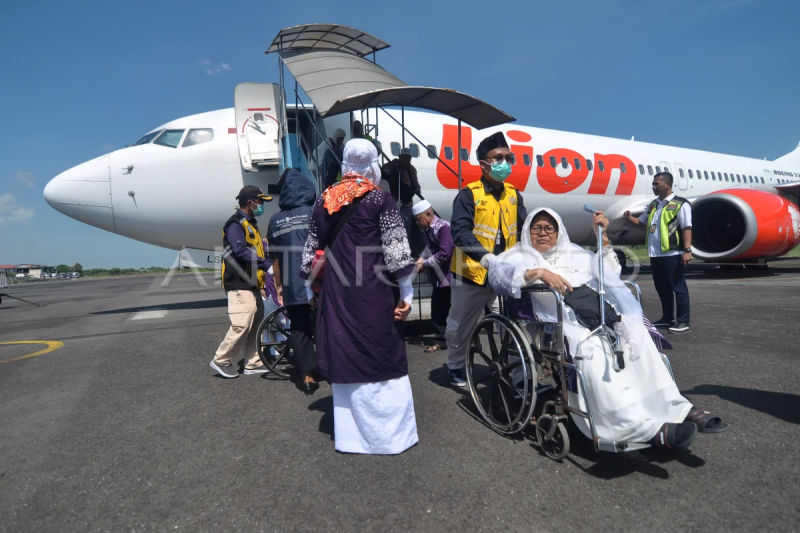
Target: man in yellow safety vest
487, 217
668, 219
244, 276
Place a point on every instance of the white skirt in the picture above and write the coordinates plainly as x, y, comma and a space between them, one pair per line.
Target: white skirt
630, 405
374, 418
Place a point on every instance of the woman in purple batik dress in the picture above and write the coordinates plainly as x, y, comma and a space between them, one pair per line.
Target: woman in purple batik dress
360, 344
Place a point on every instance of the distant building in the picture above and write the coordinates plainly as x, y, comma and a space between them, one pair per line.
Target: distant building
33, 271
8, 269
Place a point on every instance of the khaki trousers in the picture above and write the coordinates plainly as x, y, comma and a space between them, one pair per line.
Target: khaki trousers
246, 310
466, 309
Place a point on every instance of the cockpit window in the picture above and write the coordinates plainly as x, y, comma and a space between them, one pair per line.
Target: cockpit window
198, 136
146, 138
171, 138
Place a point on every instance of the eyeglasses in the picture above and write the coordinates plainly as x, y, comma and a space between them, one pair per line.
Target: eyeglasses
511, 159
537, 230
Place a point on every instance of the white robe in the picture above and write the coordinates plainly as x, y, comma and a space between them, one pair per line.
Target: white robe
374, 418
630, 405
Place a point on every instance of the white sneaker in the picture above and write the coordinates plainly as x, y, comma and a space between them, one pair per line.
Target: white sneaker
257, 370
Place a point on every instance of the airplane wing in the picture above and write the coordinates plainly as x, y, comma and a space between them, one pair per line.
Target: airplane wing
793, 187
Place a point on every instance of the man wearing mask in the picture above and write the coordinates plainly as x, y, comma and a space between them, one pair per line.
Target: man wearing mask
487, 217
332, 162
244, 275
669, 245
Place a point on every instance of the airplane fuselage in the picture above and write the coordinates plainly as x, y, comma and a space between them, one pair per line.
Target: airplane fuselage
176, 194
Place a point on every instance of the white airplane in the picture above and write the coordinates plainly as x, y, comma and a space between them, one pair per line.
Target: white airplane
740, 208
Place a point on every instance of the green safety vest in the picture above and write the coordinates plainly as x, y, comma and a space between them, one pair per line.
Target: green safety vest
668, 223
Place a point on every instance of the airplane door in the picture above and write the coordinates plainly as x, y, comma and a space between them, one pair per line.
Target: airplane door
683, 179
769, 180
259, 120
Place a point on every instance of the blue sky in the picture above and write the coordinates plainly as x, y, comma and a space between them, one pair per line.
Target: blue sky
80, 78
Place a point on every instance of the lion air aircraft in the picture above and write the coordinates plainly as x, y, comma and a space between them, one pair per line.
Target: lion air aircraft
740, 208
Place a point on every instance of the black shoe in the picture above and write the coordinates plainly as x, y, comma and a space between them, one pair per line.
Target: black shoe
680, 327
663, 323
310, 387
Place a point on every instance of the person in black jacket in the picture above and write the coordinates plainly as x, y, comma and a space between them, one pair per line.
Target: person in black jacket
332, 162
401, 176
286, 234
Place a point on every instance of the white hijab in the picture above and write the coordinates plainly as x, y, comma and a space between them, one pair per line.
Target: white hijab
568, 260
575, 264
361, 157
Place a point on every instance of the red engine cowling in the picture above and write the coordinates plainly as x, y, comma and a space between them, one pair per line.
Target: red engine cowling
743, 224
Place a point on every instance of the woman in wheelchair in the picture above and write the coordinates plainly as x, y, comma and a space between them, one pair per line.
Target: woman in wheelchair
636, 401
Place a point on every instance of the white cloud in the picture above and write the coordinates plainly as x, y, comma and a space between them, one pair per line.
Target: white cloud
211, 69
11, 211
25, 178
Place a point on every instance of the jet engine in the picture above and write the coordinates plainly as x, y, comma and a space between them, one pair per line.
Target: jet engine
743, 224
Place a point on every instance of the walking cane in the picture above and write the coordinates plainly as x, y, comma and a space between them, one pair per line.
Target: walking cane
618, 363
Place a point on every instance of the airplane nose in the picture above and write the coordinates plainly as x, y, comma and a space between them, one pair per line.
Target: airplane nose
84, 193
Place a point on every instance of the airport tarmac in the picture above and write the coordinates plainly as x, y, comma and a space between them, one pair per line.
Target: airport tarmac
124, 427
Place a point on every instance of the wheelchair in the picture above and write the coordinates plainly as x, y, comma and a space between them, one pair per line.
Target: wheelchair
503, 377
272, 344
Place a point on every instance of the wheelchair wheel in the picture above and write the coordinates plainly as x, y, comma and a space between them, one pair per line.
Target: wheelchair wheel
502, 376
555, 446
273, 348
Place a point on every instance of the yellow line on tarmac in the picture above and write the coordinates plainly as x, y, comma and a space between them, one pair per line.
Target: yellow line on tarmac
51, 346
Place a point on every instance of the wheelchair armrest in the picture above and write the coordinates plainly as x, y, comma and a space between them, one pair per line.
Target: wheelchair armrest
541, 287
636, 288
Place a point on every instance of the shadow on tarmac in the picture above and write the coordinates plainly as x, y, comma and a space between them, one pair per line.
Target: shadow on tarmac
203, 304
325, 406
781, 405
608, 466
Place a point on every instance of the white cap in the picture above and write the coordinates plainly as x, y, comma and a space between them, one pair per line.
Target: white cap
339, 132
405, 151
421, 207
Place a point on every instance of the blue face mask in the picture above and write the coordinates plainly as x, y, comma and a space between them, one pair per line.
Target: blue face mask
258, 211
500, 171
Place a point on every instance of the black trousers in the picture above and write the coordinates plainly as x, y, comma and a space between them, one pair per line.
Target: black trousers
668, 277
302, 338
440, 307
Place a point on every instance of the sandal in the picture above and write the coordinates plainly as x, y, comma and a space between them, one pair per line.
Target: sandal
433, 348
668, 437
706, 421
